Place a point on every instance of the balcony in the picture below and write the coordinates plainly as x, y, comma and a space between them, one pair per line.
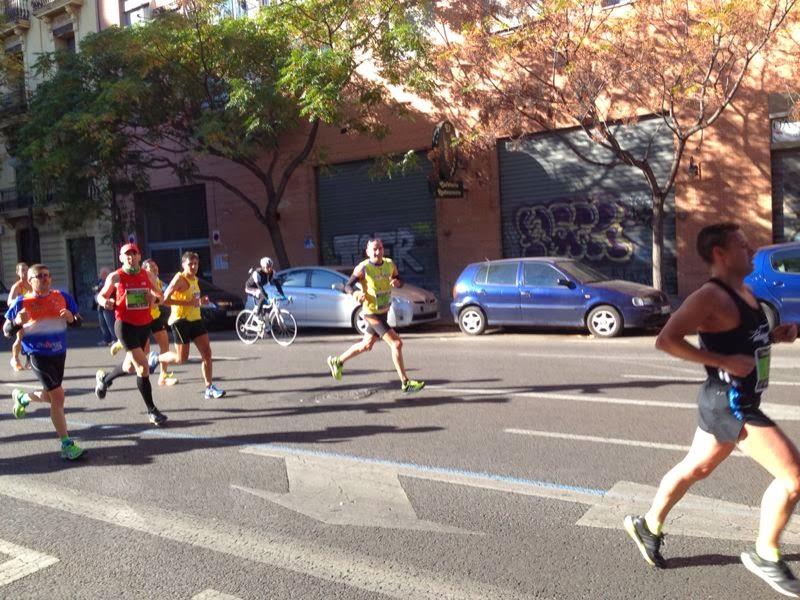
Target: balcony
16, 17
12, 201
47, 9
13, 103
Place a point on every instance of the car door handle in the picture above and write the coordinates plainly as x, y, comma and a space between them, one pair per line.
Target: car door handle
481, 292
777, 284
312, 296
525, 294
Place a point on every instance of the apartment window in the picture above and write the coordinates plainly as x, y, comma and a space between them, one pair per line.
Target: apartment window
64, 38
137, 12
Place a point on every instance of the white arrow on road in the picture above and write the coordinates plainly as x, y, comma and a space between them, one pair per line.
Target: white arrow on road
23, 562
352, 490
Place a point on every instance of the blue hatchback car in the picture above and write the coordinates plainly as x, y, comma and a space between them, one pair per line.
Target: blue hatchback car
775, 280
552, 291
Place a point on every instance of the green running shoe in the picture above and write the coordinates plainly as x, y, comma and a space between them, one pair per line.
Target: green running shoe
335, 365
71, 451
18, 396
412, 385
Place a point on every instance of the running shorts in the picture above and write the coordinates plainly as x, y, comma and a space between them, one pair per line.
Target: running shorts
724, 419
185, 331
49, 370
132, 336
159, 324
378, 324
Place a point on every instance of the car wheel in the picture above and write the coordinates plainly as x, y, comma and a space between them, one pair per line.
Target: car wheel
772, 315
358, 322
472, 321
604, 321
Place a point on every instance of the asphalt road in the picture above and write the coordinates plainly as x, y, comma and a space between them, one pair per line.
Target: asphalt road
507, 477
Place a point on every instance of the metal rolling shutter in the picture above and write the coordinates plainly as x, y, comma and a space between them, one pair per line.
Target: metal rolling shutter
555, 203
355, 205
786, 195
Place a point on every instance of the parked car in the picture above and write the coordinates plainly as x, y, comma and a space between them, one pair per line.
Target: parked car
552, 291
223, 306
775, 280
320, 300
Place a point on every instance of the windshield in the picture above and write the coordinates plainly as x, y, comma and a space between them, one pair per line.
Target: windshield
583, 273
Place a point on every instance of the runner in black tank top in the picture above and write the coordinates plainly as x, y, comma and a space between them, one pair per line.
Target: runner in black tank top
735, 349
726, 402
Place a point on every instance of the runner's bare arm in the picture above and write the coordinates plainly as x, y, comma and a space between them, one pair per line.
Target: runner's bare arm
155, 294
396, 281
178, 284
14, 292
785, 332
102, 297
349, 287
697, 312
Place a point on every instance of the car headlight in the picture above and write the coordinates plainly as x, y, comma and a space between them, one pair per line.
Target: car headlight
643, 301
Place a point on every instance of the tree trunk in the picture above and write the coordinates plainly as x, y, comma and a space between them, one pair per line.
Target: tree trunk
658, 242
274, 228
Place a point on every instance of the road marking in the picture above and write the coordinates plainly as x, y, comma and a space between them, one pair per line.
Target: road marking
337, 565
694, 515
214, 595
23, 562
491, 481
604, 440
780, 412
698, 379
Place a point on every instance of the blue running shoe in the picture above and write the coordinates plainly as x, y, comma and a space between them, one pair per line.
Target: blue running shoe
213, 392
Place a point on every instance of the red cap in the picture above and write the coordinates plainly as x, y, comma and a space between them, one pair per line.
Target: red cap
128, 247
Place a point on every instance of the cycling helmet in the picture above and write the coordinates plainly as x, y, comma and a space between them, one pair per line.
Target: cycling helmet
266, 262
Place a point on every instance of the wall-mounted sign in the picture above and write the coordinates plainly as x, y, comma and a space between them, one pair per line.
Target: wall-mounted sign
445, 162
785, 131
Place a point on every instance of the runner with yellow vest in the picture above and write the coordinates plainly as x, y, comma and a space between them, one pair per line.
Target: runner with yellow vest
377, 275
183, 295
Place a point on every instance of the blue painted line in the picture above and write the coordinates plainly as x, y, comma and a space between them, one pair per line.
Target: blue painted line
477, 475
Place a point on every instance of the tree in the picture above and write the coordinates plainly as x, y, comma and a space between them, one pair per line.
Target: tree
520, 66
193, 84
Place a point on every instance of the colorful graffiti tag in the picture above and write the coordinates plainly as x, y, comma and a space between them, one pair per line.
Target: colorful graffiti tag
592, 229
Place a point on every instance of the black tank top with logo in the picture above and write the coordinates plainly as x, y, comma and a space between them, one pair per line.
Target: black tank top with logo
750, 337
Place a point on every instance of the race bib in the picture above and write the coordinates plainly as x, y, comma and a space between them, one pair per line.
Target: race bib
137, 299
762, 356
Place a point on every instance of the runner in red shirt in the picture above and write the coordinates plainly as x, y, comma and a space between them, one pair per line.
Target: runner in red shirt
134, 294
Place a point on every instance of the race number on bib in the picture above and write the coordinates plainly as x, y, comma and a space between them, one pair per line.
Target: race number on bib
136, 299
762, 367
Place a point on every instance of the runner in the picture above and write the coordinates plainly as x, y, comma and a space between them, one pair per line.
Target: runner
44, 315
377, 275
159, 325
735, 349
20, 288
183, 295
134, 291
256, 286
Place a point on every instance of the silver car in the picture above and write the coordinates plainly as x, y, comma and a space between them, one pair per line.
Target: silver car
320, 300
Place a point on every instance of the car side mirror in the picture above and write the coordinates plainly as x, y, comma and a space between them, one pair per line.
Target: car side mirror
339, 287
567, 283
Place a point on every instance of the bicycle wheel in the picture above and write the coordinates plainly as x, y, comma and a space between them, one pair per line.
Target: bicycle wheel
283, 327
247, 327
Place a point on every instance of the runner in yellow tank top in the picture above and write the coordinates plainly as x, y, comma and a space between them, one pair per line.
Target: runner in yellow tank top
20, 288
184, 296
377, 276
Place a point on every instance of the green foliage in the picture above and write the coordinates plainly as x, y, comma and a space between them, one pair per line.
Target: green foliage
166, 93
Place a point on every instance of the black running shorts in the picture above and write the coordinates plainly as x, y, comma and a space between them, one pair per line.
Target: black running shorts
723, 421
49, 369
132, 336
159, 324
378, 324
185, 331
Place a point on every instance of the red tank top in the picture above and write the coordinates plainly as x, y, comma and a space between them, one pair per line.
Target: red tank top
133, 305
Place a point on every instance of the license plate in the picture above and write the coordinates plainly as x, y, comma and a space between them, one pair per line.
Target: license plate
665, 310
231, 313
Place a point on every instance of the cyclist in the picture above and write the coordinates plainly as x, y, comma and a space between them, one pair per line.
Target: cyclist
257, 282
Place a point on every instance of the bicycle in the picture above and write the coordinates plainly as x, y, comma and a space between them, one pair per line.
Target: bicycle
251, 326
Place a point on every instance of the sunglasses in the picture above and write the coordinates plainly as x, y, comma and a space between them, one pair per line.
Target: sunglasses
40, 276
